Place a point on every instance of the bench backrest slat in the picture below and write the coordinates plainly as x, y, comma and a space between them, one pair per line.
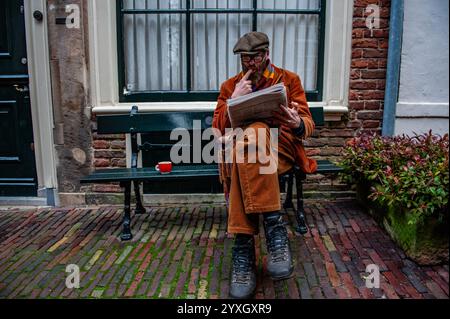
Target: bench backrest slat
152, 122
167, 121
317, 115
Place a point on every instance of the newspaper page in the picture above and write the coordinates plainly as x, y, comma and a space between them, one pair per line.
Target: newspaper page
257, 105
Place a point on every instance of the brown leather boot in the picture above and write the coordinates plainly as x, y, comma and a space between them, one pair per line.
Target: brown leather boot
243, 277
279, 262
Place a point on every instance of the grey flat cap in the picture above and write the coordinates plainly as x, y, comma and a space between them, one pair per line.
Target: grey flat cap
252, 43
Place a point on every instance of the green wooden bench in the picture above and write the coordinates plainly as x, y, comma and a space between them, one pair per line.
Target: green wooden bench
192, 177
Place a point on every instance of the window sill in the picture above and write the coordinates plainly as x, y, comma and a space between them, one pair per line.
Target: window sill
333, 113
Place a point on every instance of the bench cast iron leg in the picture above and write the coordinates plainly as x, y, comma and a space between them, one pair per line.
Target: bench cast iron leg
288, 202
300, 213
126, 232
139, 207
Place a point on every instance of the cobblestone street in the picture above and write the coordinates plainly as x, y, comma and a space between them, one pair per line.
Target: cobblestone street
184, 252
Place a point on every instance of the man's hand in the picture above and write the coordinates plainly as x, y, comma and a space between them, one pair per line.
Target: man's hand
287, 116
244, 86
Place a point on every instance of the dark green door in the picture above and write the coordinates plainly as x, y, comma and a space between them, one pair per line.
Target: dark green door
17, 161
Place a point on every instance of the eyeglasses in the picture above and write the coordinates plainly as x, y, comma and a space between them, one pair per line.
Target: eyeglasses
247, 58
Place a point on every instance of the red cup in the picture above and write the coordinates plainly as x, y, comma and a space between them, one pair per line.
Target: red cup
164, 167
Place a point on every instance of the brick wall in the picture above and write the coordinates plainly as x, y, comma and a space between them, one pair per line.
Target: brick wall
366, 96
368, 68
367, 82
109, 152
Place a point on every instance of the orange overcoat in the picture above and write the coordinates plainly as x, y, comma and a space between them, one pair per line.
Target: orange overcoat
295, 93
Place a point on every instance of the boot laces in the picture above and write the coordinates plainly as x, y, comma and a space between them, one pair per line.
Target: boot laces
277, 240
242, 264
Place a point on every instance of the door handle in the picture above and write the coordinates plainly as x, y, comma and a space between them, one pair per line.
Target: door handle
21, 88
38, 15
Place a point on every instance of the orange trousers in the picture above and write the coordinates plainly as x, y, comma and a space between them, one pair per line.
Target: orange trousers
253, 193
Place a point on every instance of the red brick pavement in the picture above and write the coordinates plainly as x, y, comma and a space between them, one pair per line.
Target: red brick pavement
184, 252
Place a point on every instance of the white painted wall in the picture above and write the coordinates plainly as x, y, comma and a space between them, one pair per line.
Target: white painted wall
424, 79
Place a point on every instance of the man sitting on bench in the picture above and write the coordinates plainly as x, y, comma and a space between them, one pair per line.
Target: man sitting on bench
252, 193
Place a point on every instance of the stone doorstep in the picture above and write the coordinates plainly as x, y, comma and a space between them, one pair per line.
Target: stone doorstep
70, 199
23, 201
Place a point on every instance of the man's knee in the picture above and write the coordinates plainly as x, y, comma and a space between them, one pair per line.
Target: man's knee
254, 136
256, 144
258, 125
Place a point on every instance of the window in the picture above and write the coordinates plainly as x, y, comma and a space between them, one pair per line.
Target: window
181, 50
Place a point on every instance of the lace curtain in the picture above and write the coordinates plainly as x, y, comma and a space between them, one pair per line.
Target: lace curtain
156, 52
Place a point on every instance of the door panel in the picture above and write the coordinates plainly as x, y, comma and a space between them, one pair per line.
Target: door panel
9, 144
17, 160
13, 52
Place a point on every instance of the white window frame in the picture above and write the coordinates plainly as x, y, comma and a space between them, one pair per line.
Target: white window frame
104, 65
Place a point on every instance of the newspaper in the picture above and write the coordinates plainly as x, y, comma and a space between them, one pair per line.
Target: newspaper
258, 105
